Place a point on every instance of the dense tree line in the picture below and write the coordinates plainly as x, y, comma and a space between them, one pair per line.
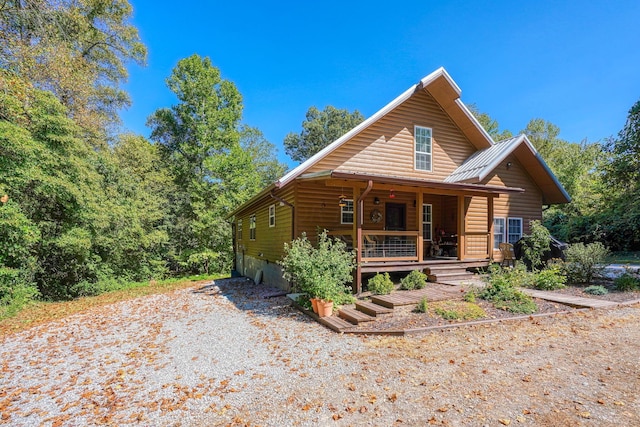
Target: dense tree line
84, 209
602, 178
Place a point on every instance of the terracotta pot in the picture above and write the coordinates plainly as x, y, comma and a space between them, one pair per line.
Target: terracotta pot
314, 304
325, 308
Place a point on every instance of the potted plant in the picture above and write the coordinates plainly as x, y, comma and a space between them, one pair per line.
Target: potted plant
321, 271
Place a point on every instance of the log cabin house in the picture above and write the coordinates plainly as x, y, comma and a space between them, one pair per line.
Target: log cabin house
418, 184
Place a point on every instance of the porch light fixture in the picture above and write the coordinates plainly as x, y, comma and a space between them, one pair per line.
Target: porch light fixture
343, 201
392, 195
376, 201
508, 165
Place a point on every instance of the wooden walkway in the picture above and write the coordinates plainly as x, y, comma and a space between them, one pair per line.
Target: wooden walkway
570, 300
432, 292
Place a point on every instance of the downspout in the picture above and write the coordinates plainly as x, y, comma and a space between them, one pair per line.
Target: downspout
293, 212
359, 221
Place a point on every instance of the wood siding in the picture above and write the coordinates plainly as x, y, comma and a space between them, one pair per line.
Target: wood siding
387, 146
527, 205
269, 240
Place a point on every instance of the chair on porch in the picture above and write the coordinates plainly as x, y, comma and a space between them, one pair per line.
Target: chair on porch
508, 254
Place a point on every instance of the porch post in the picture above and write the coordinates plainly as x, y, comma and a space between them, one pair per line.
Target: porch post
419, 213
490, 226
462, 247
359, 213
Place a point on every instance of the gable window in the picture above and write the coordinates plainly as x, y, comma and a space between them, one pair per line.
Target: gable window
346, 212
498, 232
272, 216
422, 138
239, 229
514, 230
426, 222
252, 227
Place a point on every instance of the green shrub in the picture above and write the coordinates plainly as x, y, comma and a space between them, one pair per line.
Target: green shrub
459, 310
414, 280
536, 244
15, 291
502, 293
423, 306
320, 271
585, 262
549, 279
596, 290
470, 296
627, 282
380, 284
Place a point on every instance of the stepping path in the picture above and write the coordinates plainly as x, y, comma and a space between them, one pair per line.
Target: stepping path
570, 299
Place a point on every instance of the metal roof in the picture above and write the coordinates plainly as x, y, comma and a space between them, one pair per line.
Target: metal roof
481, 163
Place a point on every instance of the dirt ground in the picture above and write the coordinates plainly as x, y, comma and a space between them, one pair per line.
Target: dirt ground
224, 354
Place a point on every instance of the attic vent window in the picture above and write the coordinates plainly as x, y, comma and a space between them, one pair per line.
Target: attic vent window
422, 138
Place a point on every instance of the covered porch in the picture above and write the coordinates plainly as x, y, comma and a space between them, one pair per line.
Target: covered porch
404, 224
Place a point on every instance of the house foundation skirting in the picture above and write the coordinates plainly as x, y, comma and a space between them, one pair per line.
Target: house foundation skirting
271, 272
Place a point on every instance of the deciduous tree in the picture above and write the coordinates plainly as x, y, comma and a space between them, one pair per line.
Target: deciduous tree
319, 129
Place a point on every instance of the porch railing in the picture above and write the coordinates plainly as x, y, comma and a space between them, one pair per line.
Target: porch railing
477, 244
379, 245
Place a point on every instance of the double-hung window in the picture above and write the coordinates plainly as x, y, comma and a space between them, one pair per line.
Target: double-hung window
272, 216
423, 147
514, 230
252, 227
426, 221
498, 232
346, 212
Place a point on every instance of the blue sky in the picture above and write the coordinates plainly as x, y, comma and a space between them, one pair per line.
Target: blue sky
573, 63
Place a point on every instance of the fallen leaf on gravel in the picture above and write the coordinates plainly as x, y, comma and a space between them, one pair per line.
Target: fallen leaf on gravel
585, 414
363, 409
618, 403
393, 398
443, 409
351, 387
600, 401
504, 421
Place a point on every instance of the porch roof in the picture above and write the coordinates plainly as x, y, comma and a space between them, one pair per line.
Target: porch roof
411, 182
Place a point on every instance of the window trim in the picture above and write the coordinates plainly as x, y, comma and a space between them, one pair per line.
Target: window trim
252, 227
416, 152
430, 222
272, 215
240, 229
343, 212
502, 235
508, 229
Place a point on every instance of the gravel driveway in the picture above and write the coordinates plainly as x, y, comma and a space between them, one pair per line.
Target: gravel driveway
225, 355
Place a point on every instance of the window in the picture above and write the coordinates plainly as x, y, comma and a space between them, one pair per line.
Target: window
514, 230
252, 227
239, 229
423, 148
426, 222
498, 232
346, 212
272, 216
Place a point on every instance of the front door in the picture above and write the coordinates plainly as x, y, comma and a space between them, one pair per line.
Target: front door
395, 217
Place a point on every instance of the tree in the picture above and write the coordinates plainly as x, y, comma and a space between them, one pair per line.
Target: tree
77, 49
217, 164
543, 135
319, 129
489, 124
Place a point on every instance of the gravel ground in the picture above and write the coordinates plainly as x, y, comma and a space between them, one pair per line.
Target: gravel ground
224, 355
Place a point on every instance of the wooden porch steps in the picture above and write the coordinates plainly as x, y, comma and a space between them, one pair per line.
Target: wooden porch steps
445, 273
355, 316
335, 323
373, 309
